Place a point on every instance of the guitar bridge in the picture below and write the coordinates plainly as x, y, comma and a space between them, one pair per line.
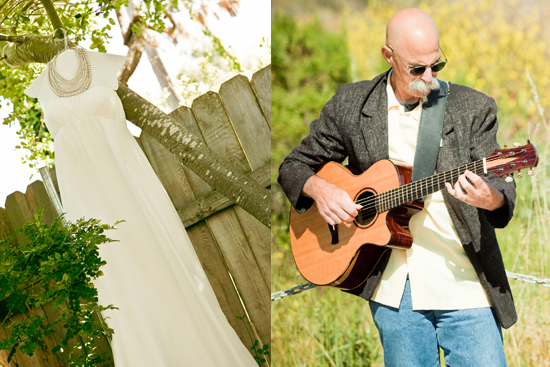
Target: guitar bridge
334, 234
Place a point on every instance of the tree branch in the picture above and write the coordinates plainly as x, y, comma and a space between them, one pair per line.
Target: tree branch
54, 17
135, 43
31, 49
7, 38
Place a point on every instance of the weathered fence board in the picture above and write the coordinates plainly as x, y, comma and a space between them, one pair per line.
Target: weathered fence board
217, 131
261, 83
232, 246
239, 257
169, 171
18, 212
184, 115
37, 196
247, 120
259, 237
5, 225
213, 265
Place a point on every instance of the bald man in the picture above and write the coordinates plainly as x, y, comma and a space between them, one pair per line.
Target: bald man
449, 290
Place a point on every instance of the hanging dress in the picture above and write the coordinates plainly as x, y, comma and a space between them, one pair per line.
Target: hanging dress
168, 314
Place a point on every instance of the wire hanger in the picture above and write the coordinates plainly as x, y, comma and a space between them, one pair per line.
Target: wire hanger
64, 37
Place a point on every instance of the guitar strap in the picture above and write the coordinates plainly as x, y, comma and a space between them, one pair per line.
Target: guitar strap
429, 133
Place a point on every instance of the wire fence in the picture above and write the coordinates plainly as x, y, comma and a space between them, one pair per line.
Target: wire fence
304, 287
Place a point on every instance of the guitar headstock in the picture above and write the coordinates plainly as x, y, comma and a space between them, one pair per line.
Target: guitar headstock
504, 161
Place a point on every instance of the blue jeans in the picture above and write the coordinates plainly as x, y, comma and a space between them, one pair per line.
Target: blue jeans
469, 338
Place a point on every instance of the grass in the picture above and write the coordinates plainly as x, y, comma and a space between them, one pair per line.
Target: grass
326, 327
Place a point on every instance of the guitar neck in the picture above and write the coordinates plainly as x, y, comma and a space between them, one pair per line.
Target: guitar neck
418, 189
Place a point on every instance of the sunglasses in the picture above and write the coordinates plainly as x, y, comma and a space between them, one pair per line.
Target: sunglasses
419, 70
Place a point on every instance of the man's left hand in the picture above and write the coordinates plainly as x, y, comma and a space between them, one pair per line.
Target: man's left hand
480, 193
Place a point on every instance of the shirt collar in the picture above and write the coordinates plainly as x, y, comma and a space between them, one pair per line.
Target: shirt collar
393, 104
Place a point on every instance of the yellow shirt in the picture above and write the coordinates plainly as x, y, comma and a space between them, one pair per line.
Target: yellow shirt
440, 274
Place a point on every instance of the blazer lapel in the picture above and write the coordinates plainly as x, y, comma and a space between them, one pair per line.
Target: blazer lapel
374, 121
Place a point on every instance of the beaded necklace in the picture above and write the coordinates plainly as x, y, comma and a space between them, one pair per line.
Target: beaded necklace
80, 83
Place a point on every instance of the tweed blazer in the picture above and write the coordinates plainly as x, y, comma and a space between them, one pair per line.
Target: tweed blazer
354, 124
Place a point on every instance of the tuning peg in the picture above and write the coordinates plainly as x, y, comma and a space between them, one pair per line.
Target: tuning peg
509, 178
528, 141
531, 172
505, 146
517, 145
520, 175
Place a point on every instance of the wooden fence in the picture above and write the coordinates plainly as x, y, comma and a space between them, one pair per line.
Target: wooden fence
233, 247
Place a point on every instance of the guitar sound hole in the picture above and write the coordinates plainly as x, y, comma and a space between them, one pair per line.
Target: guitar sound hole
368, 213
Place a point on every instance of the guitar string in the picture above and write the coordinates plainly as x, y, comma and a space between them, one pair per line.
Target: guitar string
419, 185
393, 201
394, 195
443, 175
424, 183
369, 207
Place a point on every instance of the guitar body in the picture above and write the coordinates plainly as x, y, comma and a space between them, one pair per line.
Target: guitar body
360, 244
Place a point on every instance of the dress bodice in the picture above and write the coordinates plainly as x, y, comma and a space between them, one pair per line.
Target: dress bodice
95, 102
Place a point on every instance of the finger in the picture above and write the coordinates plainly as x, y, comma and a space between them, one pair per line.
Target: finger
450, 189
475, 179
466, 186
328, 214
350, 209
458, 187
459, 193
344, 210
337, 216
327, 218
331, 218
346, 204
345, 217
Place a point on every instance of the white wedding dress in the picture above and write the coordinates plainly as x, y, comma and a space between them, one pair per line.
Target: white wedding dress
168, 314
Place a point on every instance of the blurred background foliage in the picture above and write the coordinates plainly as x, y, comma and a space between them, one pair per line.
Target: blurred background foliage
498, 47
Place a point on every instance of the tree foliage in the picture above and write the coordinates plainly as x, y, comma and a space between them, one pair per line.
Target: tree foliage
308, 64
55, 269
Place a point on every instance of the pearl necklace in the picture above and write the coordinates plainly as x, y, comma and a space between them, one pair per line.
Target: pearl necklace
80, 83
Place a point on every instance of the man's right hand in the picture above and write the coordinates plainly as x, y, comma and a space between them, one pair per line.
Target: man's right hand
333, 203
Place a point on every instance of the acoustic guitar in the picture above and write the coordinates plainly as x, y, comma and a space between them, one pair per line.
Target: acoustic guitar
344, 255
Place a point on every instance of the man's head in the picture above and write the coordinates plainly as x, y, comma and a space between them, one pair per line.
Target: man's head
412, 40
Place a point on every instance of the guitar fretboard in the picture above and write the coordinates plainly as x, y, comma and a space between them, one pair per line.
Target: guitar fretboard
398, 196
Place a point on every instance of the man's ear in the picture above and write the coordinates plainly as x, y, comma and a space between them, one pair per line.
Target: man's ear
388, 54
